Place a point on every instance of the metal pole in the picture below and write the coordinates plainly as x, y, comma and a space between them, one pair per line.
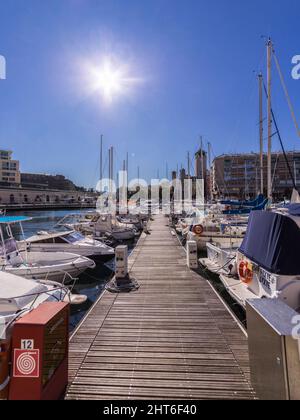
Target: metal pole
112, 164
210, 171
261, 133
188, 159
202, 158
109, 168
101, 158
127, 167
269, 66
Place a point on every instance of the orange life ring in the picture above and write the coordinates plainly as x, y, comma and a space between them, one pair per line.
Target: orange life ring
198, 229
245, 272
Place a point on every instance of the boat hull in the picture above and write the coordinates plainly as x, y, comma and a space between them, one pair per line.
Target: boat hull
55, 266
225, 241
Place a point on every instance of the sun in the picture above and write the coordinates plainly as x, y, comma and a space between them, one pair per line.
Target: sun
110, 79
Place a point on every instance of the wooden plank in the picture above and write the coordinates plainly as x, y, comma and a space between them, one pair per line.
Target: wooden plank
172, 339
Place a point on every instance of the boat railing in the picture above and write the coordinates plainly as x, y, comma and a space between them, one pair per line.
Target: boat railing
50, 292
68, 280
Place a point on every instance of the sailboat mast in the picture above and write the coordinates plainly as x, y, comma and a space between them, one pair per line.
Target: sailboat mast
269, 66
209, 168
101, 157
261, 133
127, 167
112, 164
109, 169
202, 159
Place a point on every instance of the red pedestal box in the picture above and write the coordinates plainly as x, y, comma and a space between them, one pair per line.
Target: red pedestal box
40, 348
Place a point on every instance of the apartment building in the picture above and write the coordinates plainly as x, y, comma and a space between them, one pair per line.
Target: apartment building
238, 176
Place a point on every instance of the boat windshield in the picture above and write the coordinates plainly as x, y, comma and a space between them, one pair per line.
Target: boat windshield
71, 238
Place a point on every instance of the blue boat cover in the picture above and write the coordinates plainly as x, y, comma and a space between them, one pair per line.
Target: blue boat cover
294, 209
272, 242
13, 219
246, 210
259, 200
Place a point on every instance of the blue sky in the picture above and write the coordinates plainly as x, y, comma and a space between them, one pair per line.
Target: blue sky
195, 60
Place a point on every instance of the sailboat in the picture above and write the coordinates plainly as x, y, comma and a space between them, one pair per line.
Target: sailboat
268, 260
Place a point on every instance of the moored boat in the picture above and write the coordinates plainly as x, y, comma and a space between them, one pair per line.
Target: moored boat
56, 266
71, 242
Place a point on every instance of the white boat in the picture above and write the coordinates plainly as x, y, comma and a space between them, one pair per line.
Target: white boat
54, 266
18, 296
100, 225
71, 242
268, 261
225, 235
138, 222
183, 225
220, 260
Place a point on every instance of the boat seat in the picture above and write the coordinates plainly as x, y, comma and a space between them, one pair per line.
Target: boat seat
12, 253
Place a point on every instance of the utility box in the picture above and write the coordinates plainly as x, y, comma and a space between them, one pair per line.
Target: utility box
121, 261
274, 349
40, 347
192, 254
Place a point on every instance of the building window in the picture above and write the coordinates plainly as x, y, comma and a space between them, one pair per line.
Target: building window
12, 199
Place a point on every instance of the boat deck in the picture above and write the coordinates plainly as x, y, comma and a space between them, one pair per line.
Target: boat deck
172, 339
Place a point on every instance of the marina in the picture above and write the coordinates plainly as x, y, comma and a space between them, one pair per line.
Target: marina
152, 318
149, 203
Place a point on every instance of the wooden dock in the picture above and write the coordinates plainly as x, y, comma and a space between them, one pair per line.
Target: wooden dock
172, 339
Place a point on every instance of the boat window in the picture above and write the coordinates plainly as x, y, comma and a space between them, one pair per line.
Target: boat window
59, 240
73, 237
212, 229
46, 241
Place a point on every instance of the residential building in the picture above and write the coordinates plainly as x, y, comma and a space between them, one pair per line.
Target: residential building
237, 176
9, 169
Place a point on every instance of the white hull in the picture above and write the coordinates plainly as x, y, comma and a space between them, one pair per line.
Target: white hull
220, 240
88, 251
118, 234
51, 266
219, 260
267, 285
123, 235
237, 290
18, 295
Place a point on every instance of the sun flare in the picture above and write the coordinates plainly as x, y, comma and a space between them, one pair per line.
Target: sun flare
110, 79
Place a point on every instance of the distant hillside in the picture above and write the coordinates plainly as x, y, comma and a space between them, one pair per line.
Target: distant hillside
51, 182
